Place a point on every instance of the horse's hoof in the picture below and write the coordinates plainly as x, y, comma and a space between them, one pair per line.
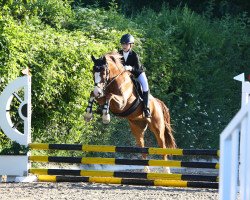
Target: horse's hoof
88, 117
106, 119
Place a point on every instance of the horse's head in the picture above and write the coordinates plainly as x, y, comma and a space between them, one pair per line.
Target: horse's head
105, 70
101, 75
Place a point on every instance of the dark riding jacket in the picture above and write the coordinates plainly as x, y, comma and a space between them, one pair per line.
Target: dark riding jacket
134, 62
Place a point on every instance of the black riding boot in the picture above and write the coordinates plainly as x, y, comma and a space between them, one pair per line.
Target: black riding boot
146, 109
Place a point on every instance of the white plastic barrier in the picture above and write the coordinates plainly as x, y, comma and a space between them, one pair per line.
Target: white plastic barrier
14, 165
234, 145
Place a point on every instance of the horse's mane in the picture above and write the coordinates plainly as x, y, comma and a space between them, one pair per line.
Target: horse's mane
114, 57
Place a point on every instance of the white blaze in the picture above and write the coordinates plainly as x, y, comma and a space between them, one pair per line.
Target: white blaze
98, 91
97, 77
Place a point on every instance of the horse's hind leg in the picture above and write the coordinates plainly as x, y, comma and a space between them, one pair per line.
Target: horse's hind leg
138, 129
159, 134
157, 126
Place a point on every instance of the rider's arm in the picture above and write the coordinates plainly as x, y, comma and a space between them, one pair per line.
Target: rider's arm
137, 68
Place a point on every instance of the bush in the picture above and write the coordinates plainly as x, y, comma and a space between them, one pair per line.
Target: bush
190, 61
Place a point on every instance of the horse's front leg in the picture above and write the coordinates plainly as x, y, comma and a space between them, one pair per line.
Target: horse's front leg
89, 114
105, 112
120, 102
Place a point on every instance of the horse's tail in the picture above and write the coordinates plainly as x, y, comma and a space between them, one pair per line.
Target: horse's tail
169, 138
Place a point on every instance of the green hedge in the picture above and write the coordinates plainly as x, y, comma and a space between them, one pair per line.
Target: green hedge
190, 61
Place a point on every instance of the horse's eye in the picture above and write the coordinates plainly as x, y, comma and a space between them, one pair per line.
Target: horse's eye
97, 68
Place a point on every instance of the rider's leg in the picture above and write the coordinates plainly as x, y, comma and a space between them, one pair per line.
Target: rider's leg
144, 83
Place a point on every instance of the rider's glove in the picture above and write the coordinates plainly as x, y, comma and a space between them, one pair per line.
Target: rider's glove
128, 67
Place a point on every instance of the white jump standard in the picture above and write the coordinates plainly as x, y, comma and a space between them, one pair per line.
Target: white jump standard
16, 165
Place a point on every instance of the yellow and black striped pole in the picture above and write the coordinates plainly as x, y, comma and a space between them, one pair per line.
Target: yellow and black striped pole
119, 174
127, 181
115, 161
106, 148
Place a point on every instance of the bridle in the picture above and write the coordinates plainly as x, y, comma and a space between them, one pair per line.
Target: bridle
108, 82
105, 87
99, 69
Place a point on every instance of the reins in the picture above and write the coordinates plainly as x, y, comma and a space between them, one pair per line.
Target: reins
113, 80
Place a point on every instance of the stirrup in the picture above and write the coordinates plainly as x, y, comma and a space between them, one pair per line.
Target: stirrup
147, 113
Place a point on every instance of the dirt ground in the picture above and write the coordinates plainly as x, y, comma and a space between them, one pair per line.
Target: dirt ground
77, 191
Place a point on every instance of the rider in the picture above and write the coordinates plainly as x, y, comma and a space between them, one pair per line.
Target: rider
131, 63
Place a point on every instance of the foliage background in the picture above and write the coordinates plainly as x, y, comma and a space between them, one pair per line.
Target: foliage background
191, 54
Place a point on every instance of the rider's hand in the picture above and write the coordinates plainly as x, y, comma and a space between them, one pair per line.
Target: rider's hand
128, 67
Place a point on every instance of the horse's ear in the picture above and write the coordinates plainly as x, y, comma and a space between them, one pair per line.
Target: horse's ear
93, 58
104, 59
113, 58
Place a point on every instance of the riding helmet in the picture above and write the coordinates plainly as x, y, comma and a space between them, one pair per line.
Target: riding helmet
127, 39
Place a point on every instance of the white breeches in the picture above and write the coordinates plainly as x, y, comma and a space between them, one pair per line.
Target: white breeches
143, 81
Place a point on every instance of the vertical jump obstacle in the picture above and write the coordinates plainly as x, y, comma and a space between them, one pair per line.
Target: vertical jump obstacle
239, 127
18, 169
125, 177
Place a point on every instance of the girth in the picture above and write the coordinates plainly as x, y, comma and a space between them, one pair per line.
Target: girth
131, 109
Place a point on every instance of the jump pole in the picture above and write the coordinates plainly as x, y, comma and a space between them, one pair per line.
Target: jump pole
127, 181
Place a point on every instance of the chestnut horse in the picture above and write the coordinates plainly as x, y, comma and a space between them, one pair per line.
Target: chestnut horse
114, 89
